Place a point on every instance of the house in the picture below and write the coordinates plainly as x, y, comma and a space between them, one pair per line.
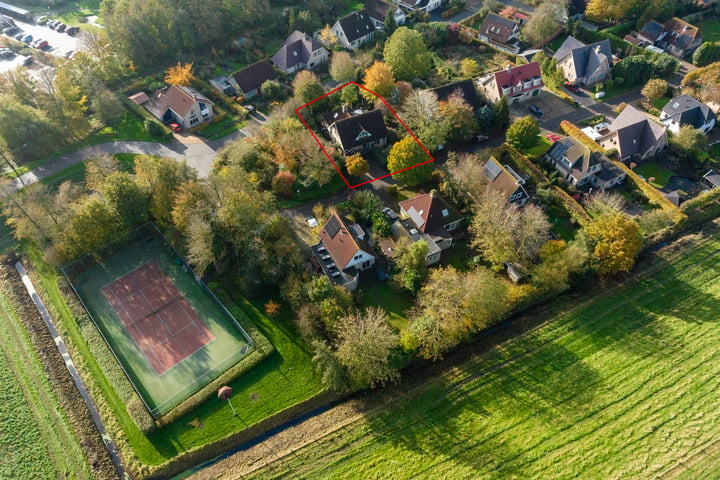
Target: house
246, 82
140, 98
634, 135
377, 10
300, 51
501, 33
504, 179
426, 6
711, 180
182, 105
676, 36
580, 167
343, 252
361, 132
584, 64
464, 88
354, 30
427, 217
686, 110
516, 83
682, 38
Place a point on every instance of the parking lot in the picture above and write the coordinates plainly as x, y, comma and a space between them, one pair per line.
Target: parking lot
551, 105
58, 43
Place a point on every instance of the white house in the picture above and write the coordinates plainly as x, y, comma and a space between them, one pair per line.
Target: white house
686, 110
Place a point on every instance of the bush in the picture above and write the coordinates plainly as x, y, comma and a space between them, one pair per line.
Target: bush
153, 128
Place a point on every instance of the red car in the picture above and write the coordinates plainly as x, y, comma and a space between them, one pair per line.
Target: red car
175, 127
553, 137
571, 87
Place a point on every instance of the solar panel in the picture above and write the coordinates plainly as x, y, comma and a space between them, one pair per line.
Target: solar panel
492, 170
333, 226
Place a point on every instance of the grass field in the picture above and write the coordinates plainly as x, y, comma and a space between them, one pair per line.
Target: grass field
622, 385
161, 391
35, 438
654, 170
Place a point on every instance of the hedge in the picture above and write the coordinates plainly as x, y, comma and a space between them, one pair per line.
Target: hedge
143, 114
575, 210
572, 131
537, 175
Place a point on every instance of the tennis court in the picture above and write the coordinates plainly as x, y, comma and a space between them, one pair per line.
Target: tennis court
169, 333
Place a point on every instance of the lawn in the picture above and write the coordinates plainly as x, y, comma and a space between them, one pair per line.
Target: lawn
222, 128
659, 103
653, 169
542, 146
36, 439
710, 29
394, 301
622, 384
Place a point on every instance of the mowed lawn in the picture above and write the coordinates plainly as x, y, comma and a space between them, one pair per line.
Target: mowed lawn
624, 385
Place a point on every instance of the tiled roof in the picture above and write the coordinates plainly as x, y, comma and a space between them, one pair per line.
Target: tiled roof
651, 30
686, 110
296, 50
503, 180
378, 9
252, 77
176, 98
680, 33
429, 212
586, 58
516, 75
497, 28
636, 133
465, 88
341, 244
361, 129
356, 25
579, 157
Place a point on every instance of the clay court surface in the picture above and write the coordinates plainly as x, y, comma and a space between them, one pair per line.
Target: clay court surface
164, 325
168, 333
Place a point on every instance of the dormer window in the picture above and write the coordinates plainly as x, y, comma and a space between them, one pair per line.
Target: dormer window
363, 134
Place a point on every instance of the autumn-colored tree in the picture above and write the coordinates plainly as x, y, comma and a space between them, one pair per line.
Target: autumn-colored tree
180, 74
272, 308
342, 67
356, 165
378, 79
307, 88
469, 67
459, 118
282, 183
407, 154
615, 241
546, 19
327, 37
654, 88
704, 82
93, 225
411, 263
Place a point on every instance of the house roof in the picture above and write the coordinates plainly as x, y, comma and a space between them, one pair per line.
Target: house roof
415, 4
651, 30
297, 49
361, 129
378, 9
496, 28
429, 212
465, 88
179, 99
635, 132
356, 25
680, 33
139, 98
632, 40
502, 179
253, 76
335, 115
713, 177
575, 157
340, 241
586, 58
516, 75
686, 110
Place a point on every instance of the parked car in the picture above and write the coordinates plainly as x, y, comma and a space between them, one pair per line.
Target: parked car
69, 54
19, 36
601, 126
52, 23
72, 31
536, 110
480, 138
553, 137
11, 30
40, 44
390, 214
42, 20
6, 53
27, 39
175, 127
60, 27
571, 87
26, 60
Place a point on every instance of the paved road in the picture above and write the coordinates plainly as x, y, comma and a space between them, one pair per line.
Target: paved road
112, 449
196, 152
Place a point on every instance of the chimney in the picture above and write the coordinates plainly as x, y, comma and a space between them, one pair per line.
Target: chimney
508, 68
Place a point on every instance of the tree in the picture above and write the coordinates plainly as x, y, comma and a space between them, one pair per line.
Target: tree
407, 154
411, 263
271, 90
689, 140
505, 233
161, 177
546, 19
406, 54
705, 82
328, 38
379, 79
559, 260
706, 54
523, 133
108, 107
390, 24
365, 347
200, 239
654, 88
283, 182
307, 87
469, 67
126, 198
363, 205
349, 95
459, 119
93, 225
97, 169
615, 241
180, 74
434, 34
356, 165
421, 113
501, 113
334, 376
342, 67
27, 131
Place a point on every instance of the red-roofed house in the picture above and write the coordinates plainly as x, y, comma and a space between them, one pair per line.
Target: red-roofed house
343, 251
183, 105
516, 83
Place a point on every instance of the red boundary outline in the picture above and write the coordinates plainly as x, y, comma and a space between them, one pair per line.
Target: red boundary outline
297, 111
